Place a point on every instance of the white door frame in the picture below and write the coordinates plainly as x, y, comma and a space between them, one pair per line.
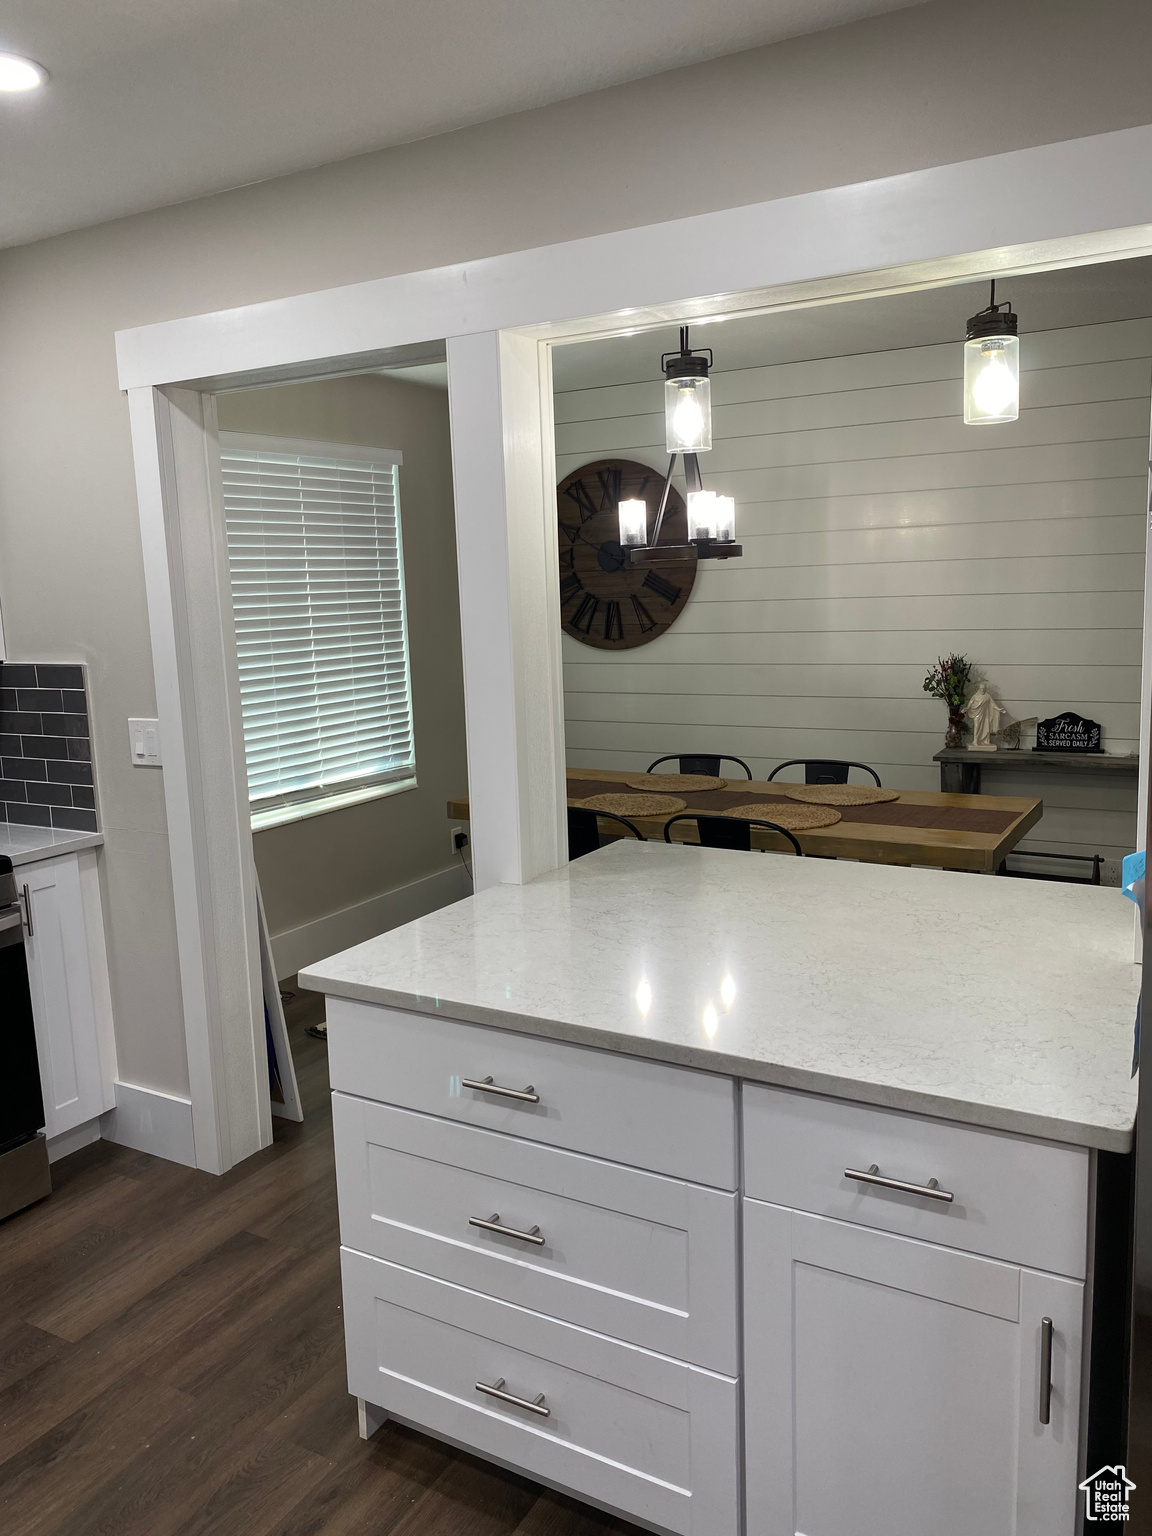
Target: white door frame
1080, 201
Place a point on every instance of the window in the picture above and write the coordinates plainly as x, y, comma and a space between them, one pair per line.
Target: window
316, 565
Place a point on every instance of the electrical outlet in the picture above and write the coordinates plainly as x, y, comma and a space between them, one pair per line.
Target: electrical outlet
459, 838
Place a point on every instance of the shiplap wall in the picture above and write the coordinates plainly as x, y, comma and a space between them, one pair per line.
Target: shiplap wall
880, 532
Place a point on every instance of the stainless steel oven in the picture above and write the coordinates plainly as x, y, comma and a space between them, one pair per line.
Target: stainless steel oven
24, 1173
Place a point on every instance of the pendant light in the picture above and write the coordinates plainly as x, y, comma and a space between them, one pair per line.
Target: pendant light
992, 365
687, 432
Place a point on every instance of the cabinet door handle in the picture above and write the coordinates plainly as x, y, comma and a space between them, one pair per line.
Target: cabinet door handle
1045, 1370
27, 910
486, 1085
533, 1235
536, 1405
872, 1175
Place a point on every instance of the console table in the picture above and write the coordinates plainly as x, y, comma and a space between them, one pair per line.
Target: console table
960, 766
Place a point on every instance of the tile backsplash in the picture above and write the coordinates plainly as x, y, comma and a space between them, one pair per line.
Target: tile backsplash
45, 747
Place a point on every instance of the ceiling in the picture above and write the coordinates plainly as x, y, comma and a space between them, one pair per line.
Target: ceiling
151, 102
1044, 301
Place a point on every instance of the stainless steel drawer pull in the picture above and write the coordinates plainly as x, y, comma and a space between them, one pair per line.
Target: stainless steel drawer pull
1045, 1370
27, 910
872, 1175
486, 1085
497, 1390
533, 1235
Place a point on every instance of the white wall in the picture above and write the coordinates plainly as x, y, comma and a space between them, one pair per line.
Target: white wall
880, 532
876, 98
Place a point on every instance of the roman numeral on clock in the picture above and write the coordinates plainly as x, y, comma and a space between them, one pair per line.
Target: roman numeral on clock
609, 489
578, 492
661, 586
584, 615
569, 586
613, 624
643, 617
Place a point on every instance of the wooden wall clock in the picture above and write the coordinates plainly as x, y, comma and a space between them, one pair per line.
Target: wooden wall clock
604, 601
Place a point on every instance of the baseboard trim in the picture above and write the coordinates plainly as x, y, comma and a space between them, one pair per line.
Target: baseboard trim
71, 1141
150, 1121
296, 948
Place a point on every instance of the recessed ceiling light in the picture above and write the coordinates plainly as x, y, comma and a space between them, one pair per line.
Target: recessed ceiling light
17, 74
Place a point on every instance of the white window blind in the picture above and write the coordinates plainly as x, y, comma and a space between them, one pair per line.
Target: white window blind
316, 565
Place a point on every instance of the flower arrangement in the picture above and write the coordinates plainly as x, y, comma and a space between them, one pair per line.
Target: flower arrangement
949, 680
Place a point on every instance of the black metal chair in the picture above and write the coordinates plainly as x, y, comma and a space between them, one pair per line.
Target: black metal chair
695, 763
584, 830
822, 770
727, 831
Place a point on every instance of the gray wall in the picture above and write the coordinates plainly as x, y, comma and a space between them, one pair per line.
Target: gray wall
326, 864
898, 92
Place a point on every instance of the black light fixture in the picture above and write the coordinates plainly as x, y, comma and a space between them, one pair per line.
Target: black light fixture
687, 432
992, 365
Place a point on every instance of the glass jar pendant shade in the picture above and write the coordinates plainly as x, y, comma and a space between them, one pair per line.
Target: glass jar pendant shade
711, 516
688, 414
633, 522
992, 366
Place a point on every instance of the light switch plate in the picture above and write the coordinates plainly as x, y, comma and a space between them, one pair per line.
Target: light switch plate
144, 743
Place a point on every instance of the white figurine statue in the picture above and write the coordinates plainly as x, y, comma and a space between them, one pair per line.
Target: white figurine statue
985, 715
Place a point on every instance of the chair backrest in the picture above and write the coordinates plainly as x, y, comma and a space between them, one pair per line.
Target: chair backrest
727, 831
823, 770
695, 763
584, 830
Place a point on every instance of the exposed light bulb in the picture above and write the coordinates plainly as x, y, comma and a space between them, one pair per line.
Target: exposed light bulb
688, 418
995, 388
17, 74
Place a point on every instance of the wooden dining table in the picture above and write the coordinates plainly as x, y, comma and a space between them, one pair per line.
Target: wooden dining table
945, 831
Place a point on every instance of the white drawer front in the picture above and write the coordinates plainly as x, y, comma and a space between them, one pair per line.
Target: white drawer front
631, 1254
669, 1119
1013, 1198
642, 1435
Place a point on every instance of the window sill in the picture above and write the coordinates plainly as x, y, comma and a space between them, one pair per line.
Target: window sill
303, 810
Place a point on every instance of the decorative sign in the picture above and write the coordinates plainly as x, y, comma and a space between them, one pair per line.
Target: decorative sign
1068, 732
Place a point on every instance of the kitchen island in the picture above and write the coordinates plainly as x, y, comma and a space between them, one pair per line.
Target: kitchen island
711, 1186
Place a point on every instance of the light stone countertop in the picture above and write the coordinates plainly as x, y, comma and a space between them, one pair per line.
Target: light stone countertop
1003, 1003
26, 845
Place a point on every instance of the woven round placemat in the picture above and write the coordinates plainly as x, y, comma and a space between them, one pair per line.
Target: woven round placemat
838, 794
796, 818
633, 805
673, 783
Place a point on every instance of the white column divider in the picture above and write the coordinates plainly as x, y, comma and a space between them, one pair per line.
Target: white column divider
499, 387
209, 835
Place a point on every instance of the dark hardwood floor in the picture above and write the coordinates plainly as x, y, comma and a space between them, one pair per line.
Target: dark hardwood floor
172, 1361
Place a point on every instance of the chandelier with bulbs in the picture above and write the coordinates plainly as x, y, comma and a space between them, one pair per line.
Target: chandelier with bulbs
687, 432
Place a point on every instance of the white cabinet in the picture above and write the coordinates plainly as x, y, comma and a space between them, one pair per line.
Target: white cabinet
67, 976
638, 1433
570, 1223
893, 1387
